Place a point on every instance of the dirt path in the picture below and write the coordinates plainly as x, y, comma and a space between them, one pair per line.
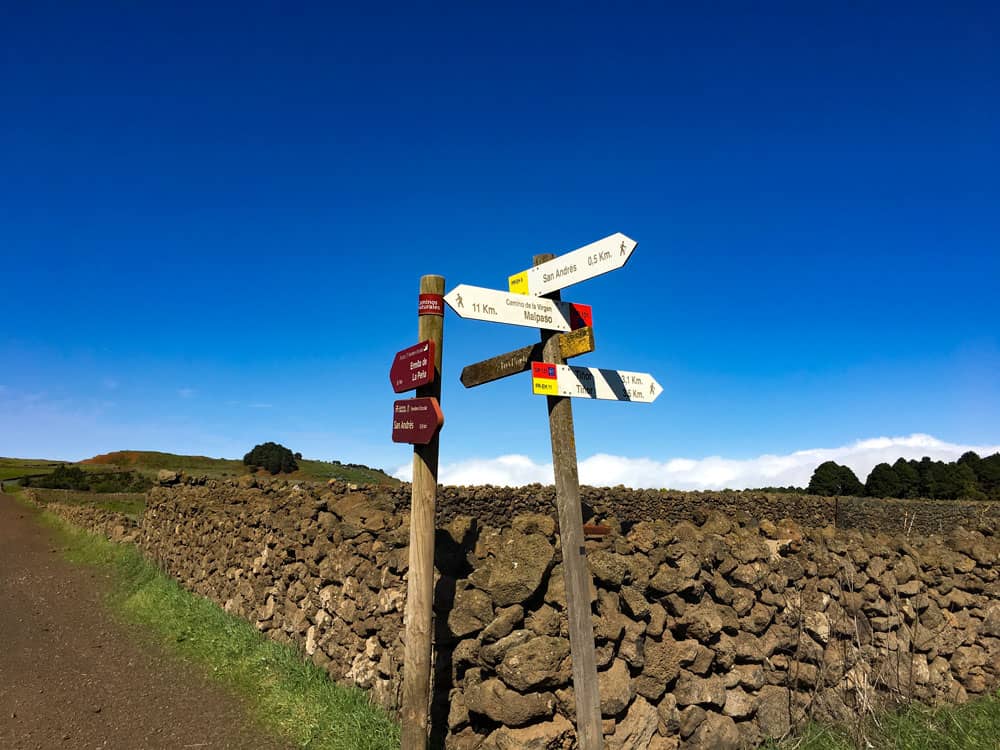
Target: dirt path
71, 677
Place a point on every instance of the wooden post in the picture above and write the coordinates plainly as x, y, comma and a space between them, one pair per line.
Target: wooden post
575, 570
420, 583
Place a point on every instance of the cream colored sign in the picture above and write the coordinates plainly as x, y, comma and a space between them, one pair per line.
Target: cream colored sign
578, 265
492, 305
593, 382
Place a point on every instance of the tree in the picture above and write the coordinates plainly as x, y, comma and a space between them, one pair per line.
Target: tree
968, 484
830, 478
849, 483
925, 469
971, 459
909, 479
825, 480
883, 482
988, 474
274, 457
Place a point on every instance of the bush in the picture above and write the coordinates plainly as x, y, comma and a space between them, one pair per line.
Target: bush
63, 478
274, 457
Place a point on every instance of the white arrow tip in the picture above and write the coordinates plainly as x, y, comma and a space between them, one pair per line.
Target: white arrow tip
625, 243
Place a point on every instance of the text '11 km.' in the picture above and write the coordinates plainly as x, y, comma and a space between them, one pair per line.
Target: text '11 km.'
494, 306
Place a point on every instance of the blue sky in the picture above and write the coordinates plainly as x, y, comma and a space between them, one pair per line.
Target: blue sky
213, 222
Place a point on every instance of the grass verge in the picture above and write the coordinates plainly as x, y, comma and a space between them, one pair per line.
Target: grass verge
131, 504
285, 693
972, 726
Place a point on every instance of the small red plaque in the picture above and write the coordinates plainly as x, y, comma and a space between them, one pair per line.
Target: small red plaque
543, 370
413, 367
580, 315
416, 420
431, 304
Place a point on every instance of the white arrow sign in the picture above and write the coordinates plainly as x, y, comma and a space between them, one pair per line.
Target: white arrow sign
495, 306
578, 265
590, 382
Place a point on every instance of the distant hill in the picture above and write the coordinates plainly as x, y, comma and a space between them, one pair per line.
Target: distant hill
152, 461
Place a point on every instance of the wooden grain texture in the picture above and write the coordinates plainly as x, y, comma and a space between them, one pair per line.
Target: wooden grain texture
420, 579
572, 344
575, 570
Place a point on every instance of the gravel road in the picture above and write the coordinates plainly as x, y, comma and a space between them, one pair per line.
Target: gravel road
72, 677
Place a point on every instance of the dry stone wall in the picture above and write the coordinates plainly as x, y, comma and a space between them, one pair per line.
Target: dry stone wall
495, 506
716, 631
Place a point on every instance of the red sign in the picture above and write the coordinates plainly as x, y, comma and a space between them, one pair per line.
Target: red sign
431, 304
413, 367
543, 370
416, 420
580, 315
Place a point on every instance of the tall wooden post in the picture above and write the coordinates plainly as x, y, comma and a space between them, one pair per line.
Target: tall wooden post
575, 570
420, 583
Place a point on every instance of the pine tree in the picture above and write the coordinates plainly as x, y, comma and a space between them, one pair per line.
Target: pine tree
883, 482
825, 480
909, 479
849, 482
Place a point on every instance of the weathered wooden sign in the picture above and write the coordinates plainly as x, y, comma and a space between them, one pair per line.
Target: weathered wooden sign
572, 344
591, 382
494, 306
578, 265
412, 367
416, 420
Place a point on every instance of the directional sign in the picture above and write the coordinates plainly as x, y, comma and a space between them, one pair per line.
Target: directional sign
578, 265
413, 367
495, 306
590, 382
416, 420
572, 344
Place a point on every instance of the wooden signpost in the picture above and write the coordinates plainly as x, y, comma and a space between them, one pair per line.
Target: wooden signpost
553, 378
418, 421
573, 344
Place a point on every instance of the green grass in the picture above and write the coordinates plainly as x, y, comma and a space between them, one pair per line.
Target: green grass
286, 694
972, 726
323, 470
132, 504
150, 462
16, 468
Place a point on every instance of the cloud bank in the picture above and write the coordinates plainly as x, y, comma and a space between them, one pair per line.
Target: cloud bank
711, 473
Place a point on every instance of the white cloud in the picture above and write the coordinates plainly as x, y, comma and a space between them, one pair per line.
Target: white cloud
712, 472
185, 392
110, 383
260, 406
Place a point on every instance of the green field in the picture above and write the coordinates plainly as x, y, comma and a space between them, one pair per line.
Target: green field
16, 468
150, 462
131, 504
